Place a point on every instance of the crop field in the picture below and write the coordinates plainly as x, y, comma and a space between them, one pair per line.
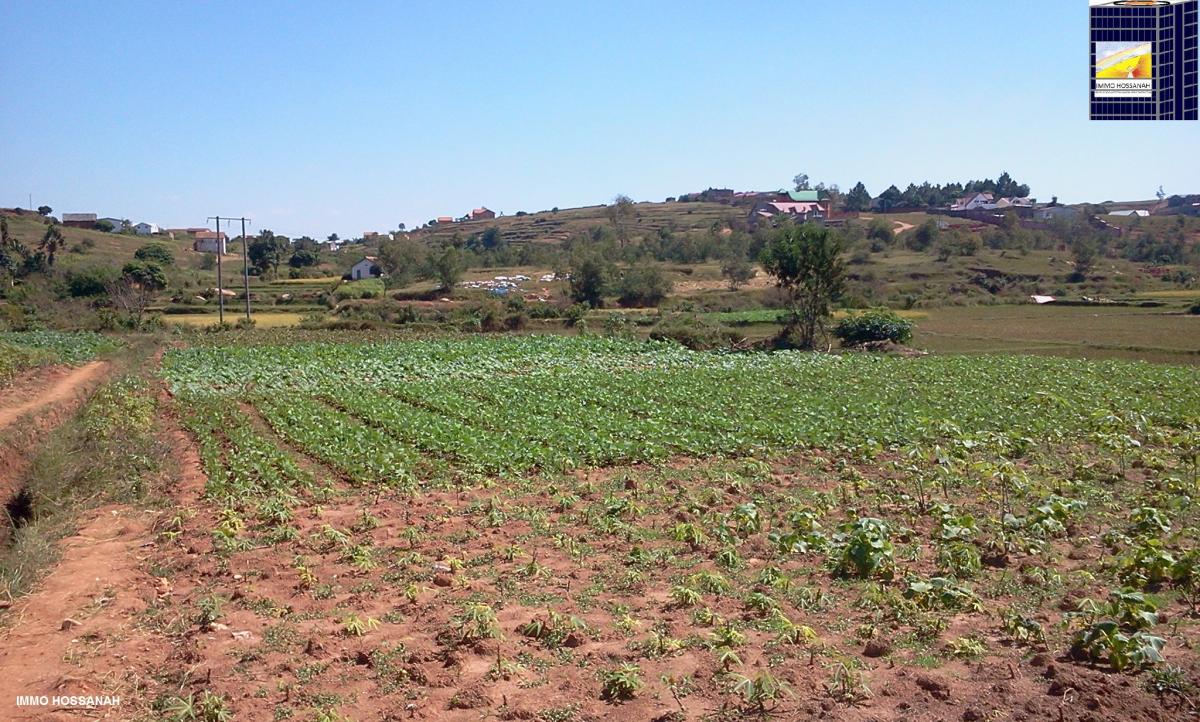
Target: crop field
24, 349
561, 528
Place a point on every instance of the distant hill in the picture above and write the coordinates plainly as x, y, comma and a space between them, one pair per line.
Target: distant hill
558, 226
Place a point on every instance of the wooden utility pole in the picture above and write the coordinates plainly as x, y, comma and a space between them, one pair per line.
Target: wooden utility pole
220, 291
246, 267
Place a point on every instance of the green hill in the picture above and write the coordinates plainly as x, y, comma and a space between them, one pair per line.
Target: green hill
559, 225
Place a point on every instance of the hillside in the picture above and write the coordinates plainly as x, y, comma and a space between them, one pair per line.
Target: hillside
559, 225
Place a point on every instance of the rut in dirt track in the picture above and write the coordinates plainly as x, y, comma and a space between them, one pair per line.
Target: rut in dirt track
56, 386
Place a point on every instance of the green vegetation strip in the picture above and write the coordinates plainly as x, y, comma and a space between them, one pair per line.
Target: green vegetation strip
494, 405
25, 349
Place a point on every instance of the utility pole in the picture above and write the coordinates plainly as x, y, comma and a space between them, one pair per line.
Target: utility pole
220, 291
246, 267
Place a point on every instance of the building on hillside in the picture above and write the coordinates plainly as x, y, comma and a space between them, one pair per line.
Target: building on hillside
1013, 203
798, 196
442, 220
482, 214
803, 212
1140, 213
366, 268
118, 224
146, 229
79, 220
973, 202
210, 242
1055, 213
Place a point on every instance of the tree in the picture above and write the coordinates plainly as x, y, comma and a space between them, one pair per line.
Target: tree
52, 241
1083, 249
404, 260
304, 243
160, 253
801, 182
449, 267
589, 280
620, 213
268, 251
332, 238
737, 271
134, 290
401, 227
45, 210
858, 199
890, 198
304, 258
642, 286
806, 265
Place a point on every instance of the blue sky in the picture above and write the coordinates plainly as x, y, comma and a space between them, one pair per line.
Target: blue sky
343, 117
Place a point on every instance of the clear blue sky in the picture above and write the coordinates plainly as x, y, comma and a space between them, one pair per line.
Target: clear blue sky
343, 117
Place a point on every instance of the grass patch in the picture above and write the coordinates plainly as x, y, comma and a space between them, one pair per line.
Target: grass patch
107, 453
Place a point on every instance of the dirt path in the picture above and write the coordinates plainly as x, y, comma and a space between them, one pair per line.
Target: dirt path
87, 627
47, 387
74, 631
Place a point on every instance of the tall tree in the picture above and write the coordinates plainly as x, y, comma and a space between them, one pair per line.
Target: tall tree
805, 261
134, 290
858, 199
268, 251
801, 182
589, 279
620, 213
45, 210
449, 267
405, 260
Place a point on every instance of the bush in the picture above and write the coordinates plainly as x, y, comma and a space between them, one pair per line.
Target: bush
874, 325
695, 332
156, 252
1195, 309
90, 282
643, 286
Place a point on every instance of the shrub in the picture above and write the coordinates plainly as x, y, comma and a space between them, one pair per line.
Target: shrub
1195, 309
156, 252
90, 281
874, 325
695, 332
643, 286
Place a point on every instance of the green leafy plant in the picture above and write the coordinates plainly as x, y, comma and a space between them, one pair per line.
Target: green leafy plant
864, 549
621, 683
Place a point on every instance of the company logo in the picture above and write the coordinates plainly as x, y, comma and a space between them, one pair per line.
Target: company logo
1124, 70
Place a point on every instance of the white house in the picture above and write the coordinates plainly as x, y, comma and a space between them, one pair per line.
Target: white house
366, 268
972, 201
146, 229
1140, 213
210, 242
118, 224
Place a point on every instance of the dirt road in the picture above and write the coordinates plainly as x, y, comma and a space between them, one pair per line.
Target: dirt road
47, 387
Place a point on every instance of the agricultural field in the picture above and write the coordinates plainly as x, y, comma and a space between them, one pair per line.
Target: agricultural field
561, 528
25, 349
